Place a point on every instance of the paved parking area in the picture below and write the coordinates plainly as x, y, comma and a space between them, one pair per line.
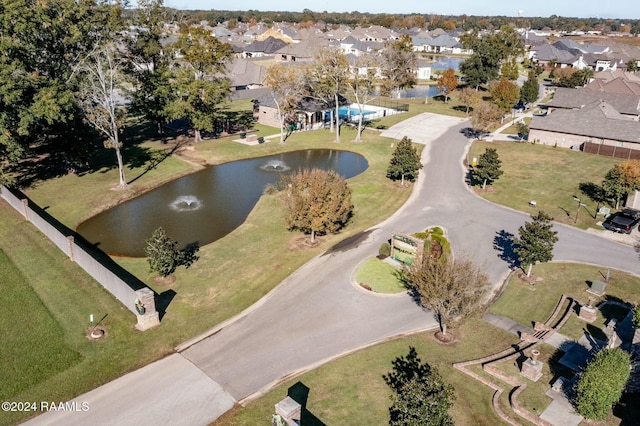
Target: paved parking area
422, 128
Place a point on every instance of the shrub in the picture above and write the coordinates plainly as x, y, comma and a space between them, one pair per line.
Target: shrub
636, 317
385, 249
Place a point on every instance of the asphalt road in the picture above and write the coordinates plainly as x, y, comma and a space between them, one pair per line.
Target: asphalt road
318, 314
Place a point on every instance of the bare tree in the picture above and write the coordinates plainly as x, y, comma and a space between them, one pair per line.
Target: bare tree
454, 289
361, 87
287, 89
99, 96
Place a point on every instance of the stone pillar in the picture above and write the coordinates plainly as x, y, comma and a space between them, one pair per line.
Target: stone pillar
146, 312
532, 368
588, 312
290, 411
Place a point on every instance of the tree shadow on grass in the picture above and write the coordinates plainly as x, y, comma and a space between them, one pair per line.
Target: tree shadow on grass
504, 244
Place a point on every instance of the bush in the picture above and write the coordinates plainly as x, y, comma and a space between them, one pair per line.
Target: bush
385, 249
636, 317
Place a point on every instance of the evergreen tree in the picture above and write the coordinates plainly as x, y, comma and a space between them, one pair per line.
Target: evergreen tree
488, 168
420, 395
164, 256
530, 88
536, 241
601, 383
405, 162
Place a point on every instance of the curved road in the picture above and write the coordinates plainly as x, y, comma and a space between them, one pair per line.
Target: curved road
317, 314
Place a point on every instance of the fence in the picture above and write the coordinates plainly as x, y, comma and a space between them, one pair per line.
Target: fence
398, 106
611, 151
109, 274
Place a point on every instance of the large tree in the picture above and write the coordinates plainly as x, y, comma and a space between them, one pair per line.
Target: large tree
488, 168
420, 395
621, 179
41, 44
316, 201
453, 288
398, 66
201, 80
447, 83
287, 90
469, 98
100, 94
536, 241
329, 80
361, 87
149, 63
405, 162
600, 384
485, 116
504, 94
490, 52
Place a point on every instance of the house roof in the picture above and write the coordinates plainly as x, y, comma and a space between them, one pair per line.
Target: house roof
609, 75
307, 104
267, 46
618, 85
305, 49
244, 72
577, 98
595, 120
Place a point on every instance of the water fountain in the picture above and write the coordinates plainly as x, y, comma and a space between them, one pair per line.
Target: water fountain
186, 203
275, 166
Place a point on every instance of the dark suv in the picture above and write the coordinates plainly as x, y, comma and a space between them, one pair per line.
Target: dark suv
623, 221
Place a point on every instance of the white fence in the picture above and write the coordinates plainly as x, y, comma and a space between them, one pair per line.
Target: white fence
103, 271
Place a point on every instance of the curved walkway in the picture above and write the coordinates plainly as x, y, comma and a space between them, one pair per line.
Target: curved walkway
315, 315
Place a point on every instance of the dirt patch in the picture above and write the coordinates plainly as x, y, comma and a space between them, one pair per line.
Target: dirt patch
95, 333
531, 280
169, 279
303, 241
446, 339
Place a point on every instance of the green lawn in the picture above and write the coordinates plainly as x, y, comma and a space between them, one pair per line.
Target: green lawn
351, 391
526, 303
380, 276
44, 316
550, 176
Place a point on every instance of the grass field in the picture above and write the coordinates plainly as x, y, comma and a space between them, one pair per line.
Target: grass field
550, 176
381, 277
351, 391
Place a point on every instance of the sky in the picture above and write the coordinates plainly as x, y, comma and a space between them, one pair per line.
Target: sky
624, 9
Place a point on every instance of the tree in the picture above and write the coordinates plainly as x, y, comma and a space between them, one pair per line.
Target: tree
317, 202
164, 256
405, 162
361, 87
148, 63
447, 83
601, 383
488, 168
469, 98
41, 44
330, 76
201, 81
523, 130
453, 288
536, 241
420, 395
504, 94
621, 179
530, 89
485, 116
635, 319
509, 69
101, 85
398, 64
287, 89
632, 65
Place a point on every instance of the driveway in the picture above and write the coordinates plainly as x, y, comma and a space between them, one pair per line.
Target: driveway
316, 314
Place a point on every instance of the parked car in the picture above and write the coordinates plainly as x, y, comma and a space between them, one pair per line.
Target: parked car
623, 221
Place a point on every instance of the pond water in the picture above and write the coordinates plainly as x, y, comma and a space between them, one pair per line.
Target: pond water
207, 205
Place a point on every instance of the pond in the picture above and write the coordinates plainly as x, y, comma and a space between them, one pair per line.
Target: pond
207, 205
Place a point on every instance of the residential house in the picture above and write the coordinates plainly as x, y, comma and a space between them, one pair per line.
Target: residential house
301, 52
575, 99
424, 70
260, 48
246, 74
591, 126
310, 113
